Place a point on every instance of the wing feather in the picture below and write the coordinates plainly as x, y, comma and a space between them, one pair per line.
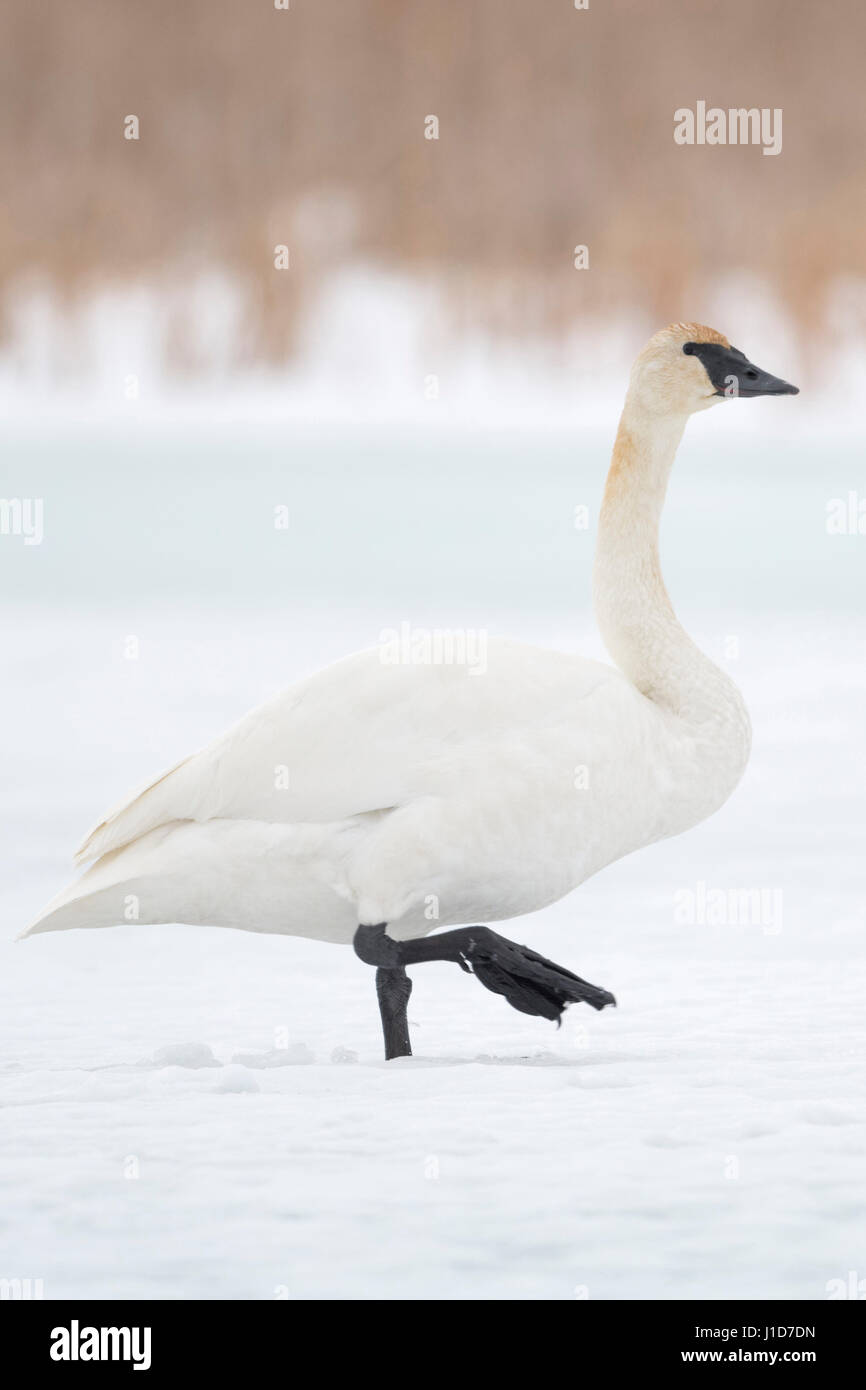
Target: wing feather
356, 737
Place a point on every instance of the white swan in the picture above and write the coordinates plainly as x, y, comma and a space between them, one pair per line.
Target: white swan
422, 796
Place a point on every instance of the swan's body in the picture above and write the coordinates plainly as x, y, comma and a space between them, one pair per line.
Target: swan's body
424, 796
411, 790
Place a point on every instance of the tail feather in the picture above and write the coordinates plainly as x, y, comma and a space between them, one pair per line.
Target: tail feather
242, 874
118, 888
97, 909
131, 818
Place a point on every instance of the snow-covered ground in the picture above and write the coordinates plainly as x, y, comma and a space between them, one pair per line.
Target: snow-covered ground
192, 1113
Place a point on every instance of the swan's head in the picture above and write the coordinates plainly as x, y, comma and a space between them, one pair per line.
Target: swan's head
688, 367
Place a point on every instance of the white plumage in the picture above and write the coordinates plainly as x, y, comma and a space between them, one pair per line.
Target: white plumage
435, 795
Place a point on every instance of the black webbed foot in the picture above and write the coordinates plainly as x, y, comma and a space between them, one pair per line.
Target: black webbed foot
531, 983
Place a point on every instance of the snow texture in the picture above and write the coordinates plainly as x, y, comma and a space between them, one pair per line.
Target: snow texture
190, 1113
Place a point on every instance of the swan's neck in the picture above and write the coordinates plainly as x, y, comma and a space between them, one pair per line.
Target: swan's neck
634, 614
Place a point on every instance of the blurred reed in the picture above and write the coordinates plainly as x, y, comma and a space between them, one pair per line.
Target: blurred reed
306, 127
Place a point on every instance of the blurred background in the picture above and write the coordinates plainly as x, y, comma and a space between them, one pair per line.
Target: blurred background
413, 257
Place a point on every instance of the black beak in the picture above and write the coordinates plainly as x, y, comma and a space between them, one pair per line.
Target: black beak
732, 374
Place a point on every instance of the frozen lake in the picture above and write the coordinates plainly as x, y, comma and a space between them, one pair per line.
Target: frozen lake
706, 1139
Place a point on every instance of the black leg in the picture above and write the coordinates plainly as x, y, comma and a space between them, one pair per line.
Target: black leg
529, 982
393, 987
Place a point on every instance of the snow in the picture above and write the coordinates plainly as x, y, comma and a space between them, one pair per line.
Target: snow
372, 344
205, 1114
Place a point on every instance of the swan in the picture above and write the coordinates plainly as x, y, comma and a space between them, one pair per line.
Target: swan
428, 796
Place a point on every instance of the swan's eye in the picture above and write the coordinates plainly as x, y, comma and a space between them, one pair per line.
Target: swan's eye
689, 349
751, 374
